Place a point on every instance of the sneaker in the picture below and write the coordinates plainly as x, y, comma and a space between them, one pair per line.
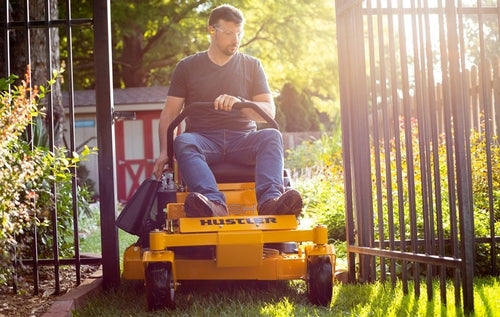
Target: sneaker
197, 205
289, 203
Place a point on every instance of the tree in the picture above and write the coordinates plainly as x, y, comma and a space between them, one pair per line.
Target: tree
295, 40
150, 38
298, 110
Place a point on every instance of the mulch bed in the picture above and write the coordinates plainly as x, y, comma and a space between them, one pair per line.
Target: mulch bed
25, 303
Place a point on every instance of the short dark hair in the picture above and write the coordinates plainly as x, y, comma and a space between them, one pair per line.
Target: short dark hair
227, 13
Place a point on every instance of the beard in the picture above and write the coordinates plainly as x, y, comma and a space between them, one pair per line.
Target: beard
230, 50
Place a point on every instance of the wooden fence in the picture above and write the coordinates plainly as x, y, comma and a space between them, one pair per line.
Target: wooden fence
482, 96
293, 139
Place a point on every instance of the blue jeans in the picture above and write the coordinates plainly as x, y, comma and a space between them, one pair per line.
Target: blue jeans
194, 152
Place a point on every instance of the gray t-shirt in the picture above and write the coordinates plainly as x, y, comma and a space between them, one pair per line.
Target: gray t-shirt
197, 79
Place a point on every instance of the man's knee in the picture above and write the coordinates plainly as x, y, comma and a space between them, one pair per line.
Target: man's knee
184, 142
271, 134
271, 137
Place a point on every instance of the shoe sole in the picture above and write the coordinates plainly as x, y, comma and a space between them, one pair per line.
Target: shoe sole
194, 206
197, 205
290, 203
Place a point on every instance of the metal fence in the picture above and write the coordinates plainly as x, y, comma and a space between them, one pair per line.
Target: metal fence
419, 86
30, 35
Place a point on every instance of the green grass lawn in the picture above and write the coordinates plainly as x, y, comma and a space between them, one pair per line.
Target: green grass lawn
285, 298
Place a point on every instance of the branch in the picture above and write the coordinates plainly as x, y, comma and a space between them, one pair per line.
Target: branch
162, 31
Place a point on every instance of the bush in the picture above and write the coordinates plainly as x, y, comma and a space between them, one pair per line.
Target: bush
481, 178
318, 174
481, 194
35, 182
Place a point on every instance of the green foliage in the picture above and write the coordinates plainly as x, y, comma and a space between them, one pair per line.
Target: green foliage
295, 40
326, 151
389, 194
298, 110
482, 179
35, 182
318, 173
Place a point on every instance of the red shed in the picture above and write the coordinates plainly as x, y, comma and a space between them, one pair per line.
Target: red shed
136, 133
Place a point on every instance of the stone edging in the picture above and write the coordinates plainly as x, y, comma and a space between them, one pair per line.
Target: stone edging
64, 305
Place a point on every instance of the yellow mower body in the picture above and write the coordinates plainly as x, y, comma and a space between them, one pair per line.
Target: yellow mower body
241, 246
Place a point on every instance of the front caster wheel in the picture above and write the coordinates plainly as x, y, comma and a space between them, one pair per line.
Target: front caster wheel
319, 280
160, 286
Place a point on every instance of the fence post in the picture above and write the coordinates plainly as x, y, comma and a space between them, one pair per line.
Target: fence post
106, 143
356, 145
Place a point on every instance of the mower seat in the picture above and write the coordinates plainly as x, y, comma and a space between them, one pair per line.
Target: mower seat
226, 172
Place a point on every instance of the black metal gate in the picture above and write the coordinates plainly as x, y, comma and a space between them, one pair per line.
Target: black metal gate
20, 23
416, 77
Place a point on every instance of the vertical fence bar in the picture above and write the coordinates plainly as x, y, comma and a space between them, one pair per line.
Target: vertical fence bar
71, 117
384, 105
496, 86
417, 101
6, 38
432, 145
408, 148
52, 145
376, 135
450, 157
496, 93
36, 277
346, 143
436, 122
467, 244
395, 102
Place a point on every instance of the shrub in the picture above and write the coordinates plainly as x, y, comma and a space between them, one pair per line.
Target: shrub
35, 182
318, 174
481, 178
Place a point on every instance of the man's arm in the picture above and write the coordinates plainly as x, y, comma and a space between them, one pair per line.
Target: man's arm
264, 101
173, 106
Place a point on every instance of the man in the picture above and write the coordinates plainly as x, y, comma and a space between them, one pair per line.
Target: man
224, 76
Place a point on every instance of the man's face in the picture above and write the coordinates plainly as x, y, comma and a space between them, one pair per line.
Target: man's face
227, 36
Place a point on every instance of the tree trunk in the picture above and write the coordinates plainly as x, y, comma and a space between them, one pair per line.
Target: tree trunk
43, 57
132, 70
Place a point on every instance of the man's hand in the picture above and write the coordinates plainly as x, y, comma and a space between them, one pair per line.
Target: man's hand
225, 102
160, 165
